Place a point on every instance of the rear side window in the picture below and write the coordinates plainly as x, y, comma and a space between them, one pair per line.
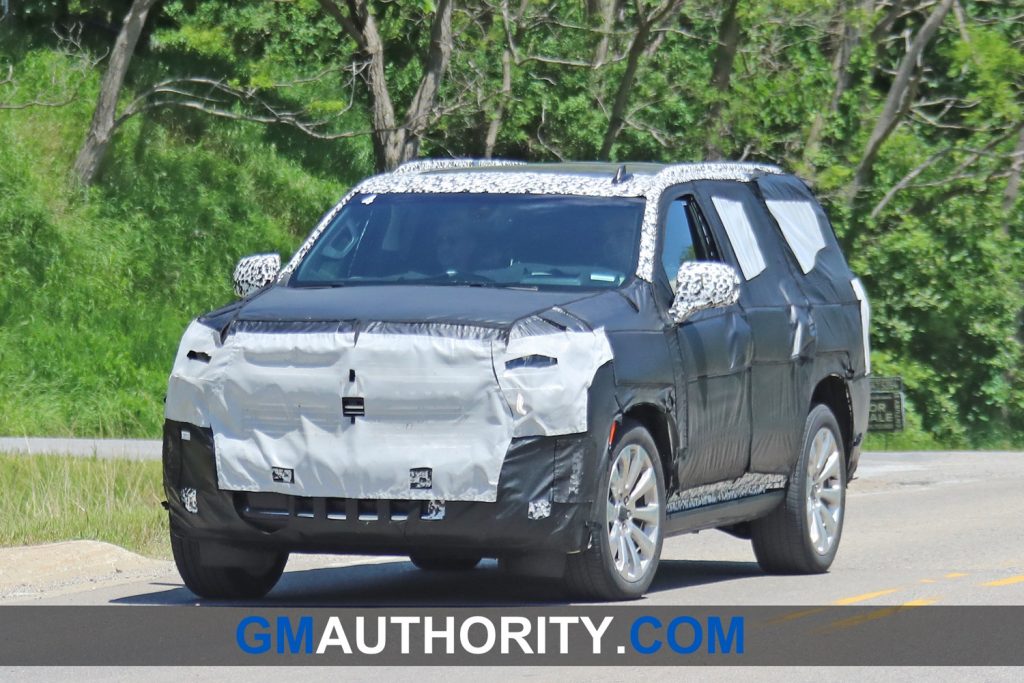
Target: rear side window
741, 236
801, 229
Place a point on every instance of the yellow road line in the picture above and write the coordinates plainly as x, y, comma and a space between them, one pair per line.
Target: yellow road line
866, 596
879, 614
955, 575
928, 581
797, 615
1005, 582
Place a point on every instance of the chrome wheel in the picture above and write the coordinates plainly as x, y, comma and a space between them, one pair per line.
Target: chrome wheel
824, 491
633, 513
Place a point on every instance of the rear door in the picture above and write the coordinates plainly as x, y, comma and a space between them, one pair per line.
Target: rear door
781, 326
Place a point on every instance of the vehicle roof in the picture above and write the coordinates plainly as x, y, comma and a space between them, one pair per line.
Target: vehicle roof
595, 179
711, 169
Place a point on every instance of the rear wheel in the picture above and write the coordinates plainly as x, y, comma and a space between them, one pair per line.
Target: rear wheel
251, 576
801, 536
624, 555
435, 563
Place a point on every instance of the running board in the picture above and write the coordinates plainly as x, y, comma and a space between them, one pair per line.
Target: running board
723, 514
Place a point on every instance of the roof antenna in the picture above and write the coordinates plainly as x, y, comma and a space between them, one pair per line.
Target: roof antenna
620, 175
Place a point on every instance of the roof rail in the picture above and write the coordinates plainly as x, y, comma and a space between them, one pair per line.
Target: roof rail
716, 170
425, 165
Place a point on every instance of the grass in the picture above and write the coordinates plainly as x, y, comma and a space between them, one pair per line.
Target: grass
54, 498
97, 286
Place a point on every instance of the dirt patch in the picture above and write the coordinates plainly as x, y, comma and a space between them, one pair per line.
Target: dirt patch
28, 572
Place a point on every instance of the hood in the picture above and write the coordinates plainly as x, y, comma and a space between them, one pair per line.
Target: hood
482, 306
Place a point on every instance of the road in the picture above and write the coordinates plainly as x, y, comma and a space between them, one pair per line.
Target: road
131, 449
921, 528
942, 528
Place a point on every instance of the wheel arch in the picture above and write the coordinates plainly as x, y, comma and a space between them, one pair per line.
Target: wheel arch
657, 422
834, 393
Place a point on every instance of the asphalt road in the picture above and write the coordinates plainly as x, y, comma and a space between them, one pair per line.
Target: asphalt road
921, 528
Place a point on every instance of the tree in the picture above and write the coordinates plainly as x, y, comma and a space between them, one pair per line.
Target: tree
101, 129
721, 72
642, 45
853, 13
396, 142
899, 98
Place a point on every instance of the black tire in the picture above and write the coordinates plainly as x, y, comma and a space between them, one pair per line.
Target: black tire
784, 541
434, 563
592, 574
216, 582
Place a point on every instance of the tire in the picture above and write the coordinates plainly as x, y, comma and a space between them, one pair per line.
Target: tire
433, 563
247, 581
801, 536
621, 566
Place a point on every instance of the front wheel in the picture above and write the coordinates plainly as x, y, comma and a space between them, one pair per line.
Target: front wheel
250, 577
801, 536
623, 556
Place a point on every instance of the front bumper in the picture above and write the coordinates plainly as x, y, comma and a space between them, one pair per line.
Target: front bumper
544, 501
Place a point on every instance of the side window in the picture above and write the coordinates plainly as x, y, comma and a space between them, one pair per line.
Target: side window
741, 235
686, 238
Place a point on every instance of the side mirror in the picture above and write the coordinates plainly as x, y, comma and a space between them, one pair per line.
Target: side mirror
255, 272
701, 285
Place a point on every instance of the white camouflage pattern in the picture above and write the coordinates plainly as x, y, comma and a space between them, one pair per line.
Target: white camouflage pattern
701, 285
422, 165
255, 272
416, 177
539, 509
434, 510
750, 484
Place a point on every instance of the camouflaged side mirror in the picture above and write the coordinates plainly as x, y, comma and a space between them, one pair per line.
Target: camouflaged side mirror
701, 285
255, 272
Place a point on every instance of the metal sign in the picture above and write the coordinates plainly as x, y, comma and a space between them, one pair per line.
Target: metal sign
886, 413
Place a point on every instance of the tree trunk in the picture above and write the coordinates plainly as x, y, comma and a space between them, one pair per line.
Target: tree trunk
850, 36
499, 112
606, 10
514, 25
417, 118
618, 117
898, 99
637, 49
87, 164
394, 144
721, 74
1013, 181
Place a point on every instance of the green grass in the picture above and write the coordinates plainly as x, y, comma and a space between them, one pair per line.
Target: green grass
96, 287
54, 498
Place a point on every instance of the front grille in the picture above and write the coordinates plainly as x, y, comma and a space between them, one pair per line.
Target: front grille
278, 507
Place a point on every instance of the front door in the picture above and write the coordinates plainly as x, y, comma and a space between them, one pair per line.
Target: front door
714, 349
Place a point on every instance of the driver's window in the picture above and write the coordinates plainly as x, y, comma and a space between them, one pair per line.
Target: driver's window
682, 240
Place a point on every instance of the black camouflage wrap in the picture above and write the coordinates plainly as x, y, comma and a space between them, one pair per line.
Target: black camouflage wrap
725, 394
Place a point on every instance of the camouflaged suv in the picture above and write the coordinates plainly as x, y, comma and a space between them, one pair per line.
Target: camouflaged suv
555, 365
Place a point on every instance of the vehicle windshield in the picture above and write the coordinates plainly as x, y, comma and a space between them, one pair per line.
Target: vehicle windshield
497, 240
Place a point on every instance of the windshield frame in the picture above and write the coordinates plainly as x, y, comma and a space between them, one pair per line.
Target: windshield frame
330, 222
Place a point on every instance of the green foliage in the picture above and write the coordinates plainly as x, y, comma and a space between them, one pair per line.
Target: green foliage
95, 287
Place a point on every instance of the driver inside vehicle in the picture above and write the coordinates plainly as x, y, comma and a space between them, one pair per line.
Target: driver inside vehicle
456, 247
